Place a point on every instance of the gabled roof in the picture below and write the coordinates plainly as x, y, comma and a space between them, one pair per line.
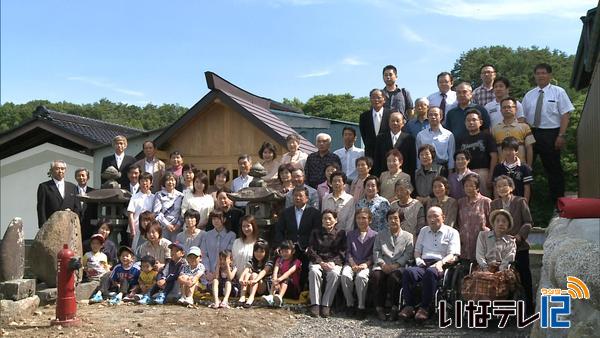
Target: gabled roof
255, 108
77, 132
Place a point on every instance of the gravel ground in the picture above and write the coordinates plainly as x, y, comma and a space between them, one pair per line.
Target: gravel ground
339, 326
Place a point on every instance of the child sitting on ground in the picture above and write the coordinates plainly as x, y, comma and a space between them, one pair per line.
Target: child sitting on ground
190, 276
253, 279
286, 276
95, 262
123, 279
167, 277
148, 274
222, 283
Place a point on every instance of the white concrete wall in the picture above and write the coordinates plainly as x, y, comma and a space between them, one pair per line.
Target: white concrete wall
22, 173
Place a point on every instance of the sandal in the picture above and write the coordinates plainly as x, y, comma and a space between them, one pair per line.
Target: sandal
224, 305
213, 306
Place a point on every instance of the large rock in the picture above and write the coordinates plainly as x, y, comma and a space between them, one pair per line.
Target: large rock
572, 248
12, 251
61, 228
17, 310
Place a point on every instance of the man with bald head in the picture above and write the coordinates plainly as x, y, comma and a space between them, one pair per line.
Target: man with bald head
437, 245
395, 138
455, 119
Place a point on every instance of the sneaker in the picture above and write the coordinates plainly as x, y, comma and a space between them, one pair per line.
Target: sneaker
269, 299
145, 300
181, 300
189, 300
160, 298
116, 300
278, 300
97, 298
128, 298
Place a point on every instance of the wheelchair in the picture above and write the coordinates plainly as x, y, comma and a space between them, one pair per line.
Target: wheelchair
448, 287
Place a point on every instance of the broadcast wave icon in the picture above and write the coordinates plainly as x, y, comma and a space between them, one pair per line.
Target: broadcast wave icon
577, 288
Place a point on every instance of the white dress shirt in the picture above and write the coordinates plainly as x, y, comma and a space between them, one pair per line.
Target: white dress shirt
149, 166
61, 187
348, 158
298, 212
493, 108
395, 137
119, 159
82, 190
377, 118
443, 142
237, 185
134, 188
556, 103
435, 99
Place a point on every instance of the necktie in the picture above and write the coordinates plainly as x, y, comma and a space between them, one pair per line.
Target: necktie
394, 139
377, 123
537, 119
443, 105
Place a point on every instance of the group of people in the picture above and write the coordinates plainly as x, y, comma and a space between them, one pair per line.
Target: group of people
447, 177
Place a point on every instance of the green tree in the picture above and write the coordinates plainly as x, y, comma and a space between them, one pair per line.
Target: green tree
517, 65
148, 117
332, 106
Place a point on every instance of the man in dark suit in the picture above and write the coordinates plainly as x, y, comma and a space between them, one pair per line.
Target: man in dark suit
86, 212
119, 160
373, 122
295, 224
56, 194
395, 138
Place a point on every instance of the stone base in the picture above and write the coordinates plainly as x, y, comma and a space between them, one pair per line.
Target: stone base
17, 310
17, 289
82, 291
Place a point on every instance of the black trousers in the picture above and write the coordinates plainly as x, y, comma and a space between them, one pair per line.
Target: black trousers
544, 147
381, 284
522, 265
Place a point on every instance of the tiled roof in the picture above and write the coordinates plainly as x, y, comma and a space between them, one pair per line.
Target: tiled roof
97, 131
275, 123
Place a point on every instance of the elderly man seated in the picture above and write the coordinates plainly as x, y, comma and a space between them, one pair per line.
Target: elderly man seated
437, 245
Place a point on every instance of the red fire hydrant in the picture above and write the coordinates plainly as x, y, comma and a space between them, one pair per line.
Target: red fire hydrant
66, 303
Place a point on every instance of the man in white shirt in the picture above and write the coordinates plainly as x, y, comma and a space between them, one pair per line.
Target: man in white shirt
494, 109
242, 181
151, 164
547, 109
439, 137
437, 245
445, 98
349, 153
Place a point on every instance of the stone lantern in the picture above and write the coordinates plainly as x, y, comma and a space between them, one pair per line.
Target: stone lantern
263, 202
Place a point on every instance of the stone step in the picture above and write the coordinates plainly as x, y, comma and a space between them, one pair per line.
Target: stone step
17, 289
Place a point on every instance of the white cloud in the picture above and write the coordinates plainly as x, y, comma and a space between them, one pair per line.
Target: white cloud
353, 61
507, 9
411, 35
315, 74
105, 84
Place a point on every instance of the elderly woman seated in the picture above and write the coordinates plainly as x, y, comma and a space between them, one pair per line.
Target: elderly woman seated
437, 245
496, 249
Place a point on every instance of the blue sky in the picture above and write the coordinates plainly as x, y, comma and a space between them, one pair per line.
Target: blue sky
146, 51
